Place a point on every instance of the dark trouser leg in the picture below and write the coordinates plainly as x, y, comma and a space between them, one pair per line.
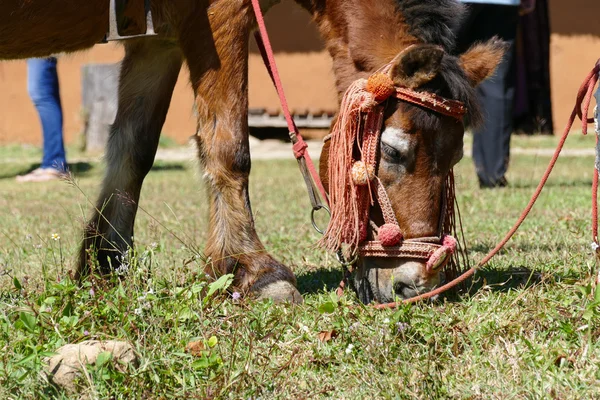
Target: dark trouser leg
491, 141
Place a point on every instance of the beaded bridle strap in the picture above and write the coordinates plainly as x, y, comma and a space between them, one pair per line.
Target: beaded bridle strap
354, 187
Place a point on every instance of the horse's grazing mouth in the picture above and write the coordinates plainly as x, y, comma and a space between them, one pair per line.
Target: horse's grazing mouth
390, 264
385, 280
390, 200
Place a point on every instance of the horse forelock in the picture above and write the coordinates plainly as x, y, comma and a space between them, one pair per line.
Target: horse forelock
432, 21
435, 22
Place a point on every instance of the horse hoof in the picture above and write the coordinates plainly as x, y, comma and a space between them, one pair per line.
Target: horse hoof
281, 292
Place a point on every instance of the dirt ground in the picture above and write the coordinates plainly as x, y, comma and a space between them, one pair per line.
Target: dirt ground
305, 70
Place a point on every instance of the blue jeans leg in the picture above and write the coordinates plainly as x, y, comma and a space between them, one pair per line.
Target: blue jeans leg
42, 85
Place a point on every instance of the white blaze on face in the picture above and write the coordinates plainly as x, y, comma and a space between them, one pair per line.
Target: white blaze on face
397, 139
401, 142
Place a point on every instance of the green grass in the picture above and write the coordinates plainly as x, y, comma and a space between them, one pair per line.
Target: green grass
528, 328
575, 140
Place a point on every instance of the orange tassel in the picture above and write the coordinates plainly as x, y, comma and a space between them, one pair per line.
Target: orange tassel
381, 86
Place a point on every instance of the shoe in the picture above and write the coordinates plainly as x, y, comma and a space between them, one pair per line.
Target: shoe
500, 183
41, 175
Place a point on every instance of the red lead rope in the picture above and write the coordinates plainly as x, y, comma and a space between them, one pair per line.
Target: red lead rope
299, 145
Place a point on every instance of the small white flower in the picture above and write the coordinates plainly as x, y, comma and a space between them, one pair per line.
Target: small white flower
386, 321
304, 328
349, 348
123, 269
595, 246
55, 236
137, 311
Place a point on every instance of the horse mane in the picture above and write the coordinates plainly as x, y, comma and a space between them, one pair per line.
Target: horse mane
435, 22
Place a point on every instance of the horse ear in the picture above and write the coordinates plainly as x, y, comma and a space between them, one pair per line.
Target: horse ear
417, 65
481, 60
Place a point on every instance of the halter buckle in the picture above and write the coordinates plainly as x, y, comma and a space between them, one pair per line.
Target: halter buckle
312, 216
342, 260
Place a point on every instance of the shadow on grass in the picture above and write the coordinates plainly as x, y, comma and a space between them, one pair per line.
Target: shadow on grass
321, 279
168, 166
78, 169
548, 248
495, 280
521, 184
505, 280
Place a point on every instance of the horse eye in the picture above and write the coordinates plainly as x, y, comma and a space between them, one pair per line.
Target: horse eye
391, 153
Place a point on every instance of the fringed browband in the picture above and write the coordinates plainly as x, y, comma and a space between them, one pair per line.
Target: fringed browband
353, 185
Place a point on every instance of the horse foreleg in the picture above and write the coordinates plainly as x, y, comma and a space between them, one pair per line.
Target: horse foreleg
148, 75
219, 72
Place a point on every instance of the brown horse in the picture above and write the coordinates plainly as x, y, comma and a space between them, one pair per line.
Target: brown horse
418, 147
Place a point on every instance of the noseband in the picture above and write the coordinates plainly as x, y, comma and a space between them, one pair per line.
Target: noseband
354, 187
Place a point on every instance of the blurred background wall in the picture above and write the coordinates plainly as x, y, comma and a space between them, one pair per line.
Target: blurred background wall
305, 69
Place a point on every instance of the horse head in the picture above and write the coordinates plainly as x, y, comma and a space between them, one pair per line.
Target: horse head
393, 145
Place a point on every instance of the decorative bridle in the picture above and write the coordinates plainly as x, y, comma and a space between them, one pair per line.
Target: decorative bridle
354, 187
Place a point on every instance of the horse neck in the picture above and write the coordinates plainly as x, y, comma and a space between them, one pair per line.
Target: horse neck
360, 36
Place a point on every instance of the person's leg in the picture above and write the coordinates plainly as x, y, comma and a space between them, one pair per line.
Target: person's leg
42, 85
491, 141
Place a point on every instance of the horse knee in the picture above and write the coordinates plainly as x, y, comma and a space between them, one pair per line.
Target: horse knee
232, 156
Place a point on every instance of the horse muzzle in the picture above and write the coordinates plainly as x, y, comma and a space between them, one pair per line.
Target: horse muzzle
388, 273
385, 280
